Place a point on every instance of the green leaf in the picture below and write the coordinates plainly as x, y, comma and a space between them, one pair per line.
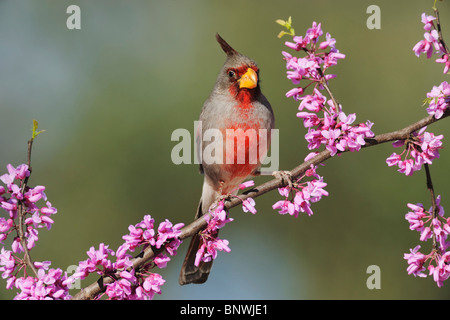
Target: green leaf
35, 127
288, 25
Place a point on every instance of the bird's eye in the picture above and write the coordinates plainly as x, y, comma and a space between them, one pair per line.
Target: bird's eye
231, 73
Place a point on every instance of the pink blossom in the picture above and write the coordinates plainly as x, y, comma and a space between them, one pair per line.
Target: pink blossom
11, 207
284, 191
142, 233
172, 246
7, 263
8, 178
393, 159
427, 21
5, 225
119, 290
430, 42
209, 248
425, 234
42, 264
429, 226
285, 206
35, 194
446, 61
15, 173
441, 270
295, 93
161, 260
167, 231
314, 102
424, 148
439, 98
299, 43
22, 172
216, 219
304, 194
329, 42
415, 217
248, 205
48, 285
334, 129
314, 32
310, 119
49, 210
152, 284
16, 246
246, 184
331, 59
415, 261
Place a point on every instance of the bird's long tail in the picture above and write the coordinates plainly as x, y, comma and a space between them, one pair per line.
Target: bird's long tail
189, 272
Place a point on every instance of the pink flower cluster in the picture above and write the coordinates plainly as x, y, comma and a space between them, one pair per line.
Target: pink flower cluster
128, 284
308, 67
334, 129
327, 123
17, 198
12, 196
439, 97
302, 194
438, 100
421, 148
143, 234
431, 43
438, 260
50, 283
217, 218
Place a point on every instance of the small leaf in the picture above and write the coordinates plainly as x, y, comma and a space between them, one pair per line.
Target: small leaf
35, 127
288, 25
281, 34
281, 22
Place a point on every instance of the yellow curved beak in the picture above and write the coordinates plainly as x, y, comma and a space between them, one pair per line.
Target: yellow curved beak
249, 79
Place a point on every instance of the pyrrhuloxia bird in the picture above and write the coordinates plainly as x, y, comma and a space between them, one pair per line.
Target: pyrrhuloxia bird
236, 102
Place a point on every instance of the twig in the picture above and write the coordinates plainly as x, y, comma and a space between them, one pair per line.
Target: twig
21, 213
91, 291
439, 30
324, 84
433, 200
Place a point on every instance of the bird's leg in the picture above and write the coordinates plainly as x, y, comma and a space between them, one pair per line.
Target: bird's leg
221, 196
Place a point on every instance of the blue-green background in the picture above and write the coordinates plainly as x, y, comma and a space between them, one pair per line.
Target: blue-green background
110, 95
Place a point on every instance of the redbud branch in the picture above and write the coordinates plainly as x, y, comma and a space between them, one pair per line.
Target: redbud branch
439, 30
145, 257
330, 94
21, 213
139, 262
94, 289
433, 199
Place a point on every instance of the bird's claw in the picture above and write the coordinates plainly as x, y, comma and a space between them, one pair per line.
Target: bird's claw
284, 176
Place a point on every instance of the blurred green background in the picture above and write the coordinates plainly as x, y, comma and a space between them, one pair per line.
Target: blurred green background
110, 95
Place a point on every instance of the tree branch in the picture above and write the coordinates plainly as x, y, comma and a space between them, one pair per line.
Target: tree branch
21, 214
190, 230
438, 25
433, 200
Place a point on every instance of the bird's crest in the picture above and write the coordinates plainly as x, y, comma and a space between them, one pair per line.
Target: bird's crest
225, 46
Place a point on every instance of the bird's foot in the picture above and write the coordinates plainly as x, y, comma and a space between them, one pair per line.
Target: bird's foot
284, 176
